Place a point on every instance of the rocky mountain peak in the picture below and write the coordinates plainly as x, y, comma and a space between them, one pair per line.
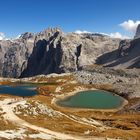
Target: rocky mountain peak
137, 35
26, 35
51, 51
47, 33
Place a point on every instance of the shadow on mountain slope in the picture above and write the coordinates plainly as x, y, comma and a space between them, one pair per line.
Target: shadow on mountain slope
45, 58
126, 56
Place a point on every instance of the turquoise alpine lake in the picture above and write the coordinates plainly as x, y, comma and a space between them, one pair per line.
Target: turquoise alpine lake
92, 99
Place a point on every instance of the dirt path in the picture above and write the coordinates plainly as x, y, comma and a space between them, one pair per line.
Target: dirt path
8, 105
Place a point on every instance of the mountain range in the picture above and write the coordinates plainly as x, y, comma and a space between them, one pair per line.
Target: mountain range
52, 51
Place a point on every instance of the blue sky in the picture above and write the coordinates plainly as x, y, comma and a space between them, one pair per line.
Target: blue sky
18, 16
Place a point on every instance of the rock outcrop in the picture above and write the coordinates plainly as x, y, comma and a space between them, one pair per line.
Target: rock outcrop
126, 56
51, 51
137, 35
14, 56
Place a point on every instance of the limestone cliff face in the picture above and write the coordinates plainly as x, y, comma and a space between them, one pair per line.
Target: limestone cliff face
46, 55
137, 35
126, 56
51, 51
14, 56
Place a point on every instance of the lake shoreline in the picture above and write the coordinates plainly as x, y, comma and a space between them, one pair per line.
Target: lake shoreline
58, 98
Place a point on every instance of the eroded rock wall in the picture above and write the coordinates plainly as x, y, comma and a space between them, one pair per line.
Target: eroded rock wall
51, 51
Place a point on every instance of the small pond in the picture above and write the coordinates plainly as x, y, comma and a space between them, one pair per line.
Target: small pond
92, 99
22, 88
19, 89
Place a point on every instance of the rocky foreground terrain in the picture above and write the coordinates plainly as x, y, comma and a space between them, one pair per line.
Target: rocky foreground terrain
125, 82
38, 117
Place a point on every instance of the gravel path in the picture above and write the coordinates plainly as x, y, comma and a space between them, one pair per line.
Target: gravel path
8, 106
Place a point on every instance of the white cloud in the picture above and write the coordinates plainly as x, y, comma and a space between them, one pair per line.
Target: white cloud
2, 36
118, 35
130, 25
112, 35
81, 32
17, 37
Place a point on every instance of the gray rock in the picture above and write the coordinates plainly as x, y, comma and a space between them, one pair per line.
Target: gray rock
124, 82
51, 51
126, 56
14, 56
137, 35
